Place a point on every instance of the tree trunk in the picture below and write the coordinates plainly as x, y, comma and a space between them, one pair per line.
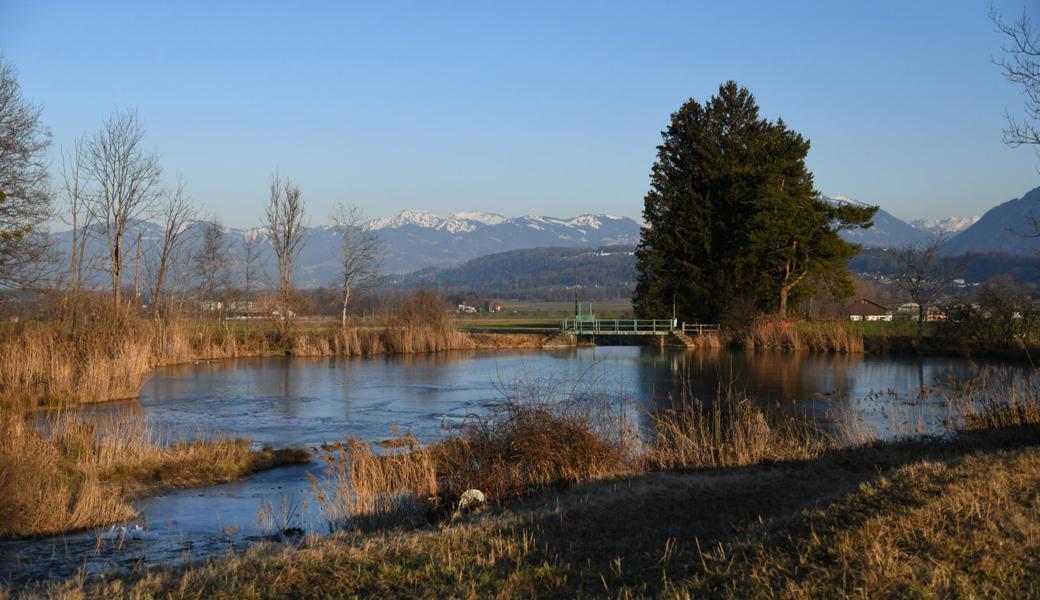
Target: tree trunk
920, 319
346, 299
783, 302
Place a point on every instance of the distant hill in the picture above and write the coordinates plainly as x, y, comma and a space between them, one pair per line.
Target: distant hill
974, 268
607, 271
887, 232
1005, 229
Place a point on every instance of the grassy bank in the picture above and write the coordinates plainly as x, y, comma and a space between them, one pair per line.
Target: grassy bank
935, 518
69, 474
727, 500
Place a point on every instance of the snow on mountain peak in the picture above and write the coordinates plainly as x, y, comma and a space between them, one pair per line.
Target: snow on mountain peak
468, 221
945, 226
419, 218
843, 199
480, 217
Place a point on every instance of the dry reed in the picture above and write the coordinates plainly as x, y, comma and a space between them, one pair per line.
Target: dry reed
514, 449
813, 337
732, 431
67, 473
104, 358
994, 398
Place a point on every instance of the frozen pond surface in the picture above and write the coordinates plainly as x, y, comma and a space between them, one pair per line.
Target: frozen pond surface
307, 402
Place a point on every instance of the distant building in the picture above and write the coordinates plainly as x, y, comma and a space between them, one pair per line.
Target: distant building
246, 309
211, 305
466, 309
868, 310
908, 311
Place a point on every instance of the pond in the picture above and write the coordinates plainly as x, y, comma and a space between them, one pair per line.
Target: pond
310, 401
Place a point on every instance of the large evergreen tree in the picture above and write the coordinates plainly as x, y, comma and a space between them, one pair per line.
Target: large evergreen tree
733, 223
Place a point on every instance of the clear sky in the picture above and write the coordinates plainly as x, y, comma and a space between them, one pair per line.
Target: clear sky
525, 107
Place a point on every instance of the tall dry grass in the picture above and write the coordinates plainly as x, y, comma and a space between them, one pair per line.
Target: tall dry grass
995, 398
514, 449
531, 441
108, 356
813, 337
731, 431
54, 363
68, 473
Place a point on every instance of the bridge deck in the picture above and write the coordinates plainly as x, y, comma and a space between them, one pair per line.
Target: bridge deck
632, 327
618, 326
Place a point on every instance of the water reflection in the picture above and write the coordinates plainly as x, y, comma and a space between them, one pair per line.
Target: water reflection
298, 401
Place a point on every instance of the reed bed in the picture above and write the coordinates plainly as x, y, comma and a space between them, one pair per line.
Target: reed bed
524, 445
813, 337
49, 363
995, 398
67, 473
513, 450
732, 431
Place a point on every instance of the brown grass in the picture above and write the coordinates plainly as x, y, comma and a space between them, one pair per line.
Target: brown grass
813, 337
938, 519
731, 431
513, 450
71, 474
993, 399
109, 356
54, 363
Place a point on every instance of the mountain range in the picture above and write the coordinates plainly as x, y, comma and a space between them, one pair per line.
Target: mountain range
1009, 228
418, 241
887, 232
414, 240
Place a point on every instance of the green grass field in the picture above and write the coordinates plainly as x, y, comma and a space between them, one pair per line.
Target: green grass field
541, 316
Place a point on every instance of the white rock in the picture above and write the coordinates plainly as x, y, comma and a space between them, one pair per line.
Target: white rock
471, 499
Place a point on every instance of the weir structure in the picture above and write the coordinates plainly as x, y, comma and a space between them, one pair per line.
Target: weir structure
587, 324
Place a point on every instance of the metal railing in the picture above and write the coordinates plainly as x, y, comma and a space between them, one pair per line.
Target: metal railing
700, 328
618, 326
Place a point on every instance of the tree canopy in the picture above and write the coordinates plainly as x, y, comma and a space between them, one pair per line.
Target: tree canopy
25, 194
732, 224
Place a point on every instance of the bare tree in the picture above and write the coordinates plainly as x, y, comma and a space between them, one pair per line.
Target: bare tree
924, 274
74, 186
128, 181
359, 252
176, 213
284, 225
1020, 63
138, 253
252, 245
211, 262
25, 194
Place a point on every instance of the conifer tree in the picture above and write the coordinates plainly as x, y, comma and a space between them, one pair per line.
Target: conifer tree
733, 224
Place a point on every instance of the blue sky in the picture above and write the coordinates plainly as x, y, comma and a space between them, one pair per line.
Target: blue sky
550, 108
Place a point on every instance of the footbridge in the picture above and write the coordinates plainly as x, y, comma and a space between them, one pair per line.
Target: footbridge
589, 325
662, 327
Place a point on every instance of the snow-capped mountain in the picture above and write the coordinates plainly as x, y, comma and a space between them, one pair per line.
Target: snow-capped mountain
412, 240
887, 232
454, 223
947, 226
416, 239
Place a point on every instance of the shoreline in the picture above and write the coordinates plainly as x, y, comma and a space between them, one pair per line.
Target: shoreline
635, 534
